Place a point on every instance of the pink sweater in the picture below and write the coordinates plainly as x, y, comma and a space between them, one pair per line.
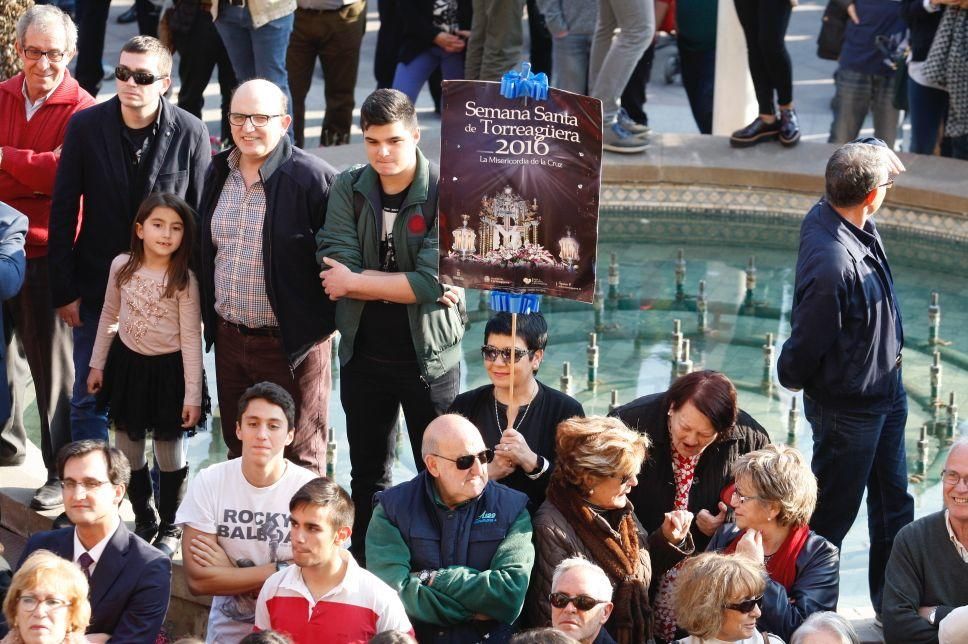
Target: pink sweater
151, 324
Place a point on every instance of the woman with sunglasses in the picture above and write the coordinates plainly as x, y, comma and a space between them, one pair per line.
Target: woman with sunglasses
47, 602
718, 599
521, 431
588, 514
773, 499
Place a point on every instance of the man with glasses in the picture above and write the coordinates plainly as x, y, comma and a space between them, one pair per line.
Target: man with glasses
114, 155
130, 581
455, 546
401, 330
263, 306
844, 352
35, 106
581, 601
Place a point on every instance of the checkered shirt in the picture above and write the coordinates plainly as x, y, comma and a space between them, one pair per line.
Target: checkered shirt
240, 288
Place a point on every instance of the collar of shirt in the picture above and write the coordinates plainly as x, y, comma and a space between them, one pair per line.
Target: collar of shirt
32, 107
292, 580
98, 549
959, 547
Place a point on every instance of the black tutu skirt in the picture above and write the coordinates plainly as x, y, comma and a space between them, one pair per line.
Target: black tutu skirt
144, 395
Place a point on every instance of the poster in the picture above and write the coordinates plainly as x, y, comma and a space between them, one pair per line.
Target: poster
519, 190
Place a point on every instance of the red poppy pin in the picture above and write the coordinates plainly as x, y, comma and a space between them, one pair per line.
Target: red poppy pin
416, 224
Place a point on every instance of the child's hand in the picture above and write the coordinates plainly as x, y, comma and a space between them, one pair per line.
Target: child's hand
95, 378
190, 415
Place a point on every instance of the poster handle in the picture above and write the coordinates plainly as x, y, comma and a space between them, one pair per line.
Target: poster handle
514, 303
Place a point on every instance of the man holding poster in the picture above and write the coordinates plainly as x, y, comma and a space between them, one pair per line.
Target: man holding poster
401, 330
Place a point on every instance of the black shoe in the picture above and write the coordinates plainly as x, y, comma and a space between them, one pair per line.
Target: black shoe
171, 492
789, 128
756, 132
168, 540
139, 493
48, 496
61, 521
128, 16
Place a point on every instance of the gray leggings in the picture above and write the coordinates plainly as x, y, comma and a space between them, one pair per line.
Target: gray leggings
170, 454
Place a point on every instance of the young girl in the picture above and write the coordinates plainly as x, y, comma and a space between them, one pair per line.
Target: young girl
147, 361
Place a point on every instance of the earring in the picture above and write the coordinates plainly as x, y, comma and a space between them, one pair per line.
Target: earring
591, 491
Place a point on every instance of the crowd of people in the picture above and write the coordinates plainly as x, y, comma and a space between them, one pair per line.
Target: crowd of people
125, 245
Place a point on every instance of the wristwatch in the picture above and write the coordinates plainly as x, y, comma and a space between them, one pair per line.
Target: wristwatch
424, 577
932, 615
540, 463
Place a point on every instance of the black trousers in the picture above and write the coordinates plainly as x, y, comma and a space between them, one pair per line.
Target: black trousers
92, 18
201, 49
540, 40
633, 98
372, 392
765, 25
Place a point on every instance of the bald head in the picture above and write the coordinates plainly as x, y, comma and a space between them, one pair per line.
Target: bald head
450, 442
267, 93
259, 120
445, 430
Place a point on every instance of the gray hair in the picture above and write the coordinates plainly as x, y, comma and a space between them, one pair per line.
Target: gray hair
827, 622
601, 585
853, 171
781, 475
961, 442
43, 17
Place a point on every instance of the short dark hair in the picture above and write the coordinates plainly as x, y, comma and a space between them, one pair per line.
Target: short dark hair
542, 636
265, 637
153, 47
712, 393
119, 469
853, 171
385, 106
273, 394
531, 327
324, 492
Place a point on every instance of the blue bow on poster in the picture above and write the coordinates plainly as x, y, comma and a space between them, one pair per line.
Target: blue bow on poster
517, 303
524, 84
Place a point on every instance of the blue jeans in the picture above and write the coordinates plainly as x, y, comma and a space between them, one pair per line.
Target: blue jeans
410, 77
854, 450
569, 60
856, 95
256, 53
699, 79
86, 420
928, 107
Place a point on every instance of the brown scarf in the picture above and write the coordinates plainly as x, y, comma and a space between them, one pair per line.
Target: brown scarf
631, 619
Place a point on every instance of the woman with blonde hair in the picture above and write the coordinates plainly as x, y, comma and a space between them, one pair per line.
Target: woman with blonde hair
774, 497
47, 602
718, 599
587, 513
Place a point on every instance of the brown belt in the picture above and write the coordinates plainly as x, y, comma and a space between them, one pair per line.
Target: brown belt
264, 331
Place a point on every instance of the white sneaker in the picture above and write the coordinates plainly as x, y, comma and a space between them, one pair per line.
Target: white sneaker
632, 126
617, 139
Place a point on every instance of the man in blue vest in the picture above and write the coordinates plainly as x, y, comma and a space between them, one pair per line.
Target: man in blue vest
455, 546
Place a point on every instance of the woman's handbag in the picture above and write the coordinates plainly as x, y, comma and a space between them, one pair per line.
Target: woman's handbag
831, 37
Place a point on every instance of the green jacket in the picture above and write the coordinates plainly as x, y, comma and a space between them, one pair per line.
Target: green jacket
436, 329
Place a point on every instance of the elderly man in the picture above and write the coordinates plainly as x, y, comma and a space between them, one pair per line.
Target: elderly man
581, 601
926, 583
263, 306
844, 351
456, 546
35, 106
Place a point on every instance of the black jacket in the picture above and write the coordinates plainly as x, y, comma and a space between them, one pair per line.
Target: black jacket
922, 26
417, 31
845, 334
297, 188
816, 587
656, 491
92, 167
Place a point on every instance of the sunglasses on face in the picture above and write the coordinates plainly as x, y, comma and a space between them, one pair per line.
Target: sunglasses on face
746, 606
581, 602
490, 353
464, 462
122, 73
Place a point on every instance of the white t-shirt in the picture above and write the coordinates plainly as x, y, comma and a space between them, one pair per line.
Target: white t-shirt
252, 527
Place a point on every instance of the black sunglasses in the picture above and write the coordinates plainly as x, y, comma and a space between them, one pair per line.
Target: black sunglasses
747, 605
581, 602
490, 353
464, 462
122, 73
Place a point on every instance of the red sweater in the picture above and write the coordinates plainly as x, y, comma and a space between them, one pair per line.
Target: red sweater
29, 163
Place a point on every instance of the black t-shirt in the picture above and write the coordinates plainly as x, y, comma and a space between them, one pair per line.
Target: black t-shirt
538, 426
137, 144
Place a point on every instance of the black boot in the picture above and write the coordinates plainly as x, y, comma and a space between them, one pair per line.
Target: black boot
173, 486
139, 493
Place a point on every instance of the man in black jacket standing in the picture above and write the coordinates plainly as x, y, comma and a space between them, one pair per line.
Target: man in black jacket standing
262, 303
844, 351
114, 155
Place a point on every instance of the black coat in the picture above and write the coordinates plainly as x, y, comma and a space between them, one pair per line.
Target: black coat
656, 491
297, 190
92, 167
922, 25
417, 31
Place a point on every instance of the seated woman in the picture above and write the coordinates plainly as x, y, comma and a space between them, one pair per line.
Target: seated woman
524, 443
47, 602
773, 500
718, 599
825, 628
588, 514
697, 433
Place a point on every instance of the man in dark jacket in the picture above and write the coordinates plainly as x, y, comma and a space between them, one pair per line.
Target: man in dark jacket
114, 155
844, 351
263, 306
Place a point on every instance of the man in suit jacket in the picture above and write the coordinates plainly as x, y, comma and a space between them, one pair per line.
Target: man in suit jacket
130, 580
114, 155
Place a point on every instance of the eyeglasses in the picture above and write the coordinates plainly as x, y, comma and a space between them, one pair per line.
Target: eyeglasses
464, 462
581, 602
122, 73
258, 120
53, 55
747, 605
490, 353
30, 603
88, 485
950, 477
889, 184
743, 498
